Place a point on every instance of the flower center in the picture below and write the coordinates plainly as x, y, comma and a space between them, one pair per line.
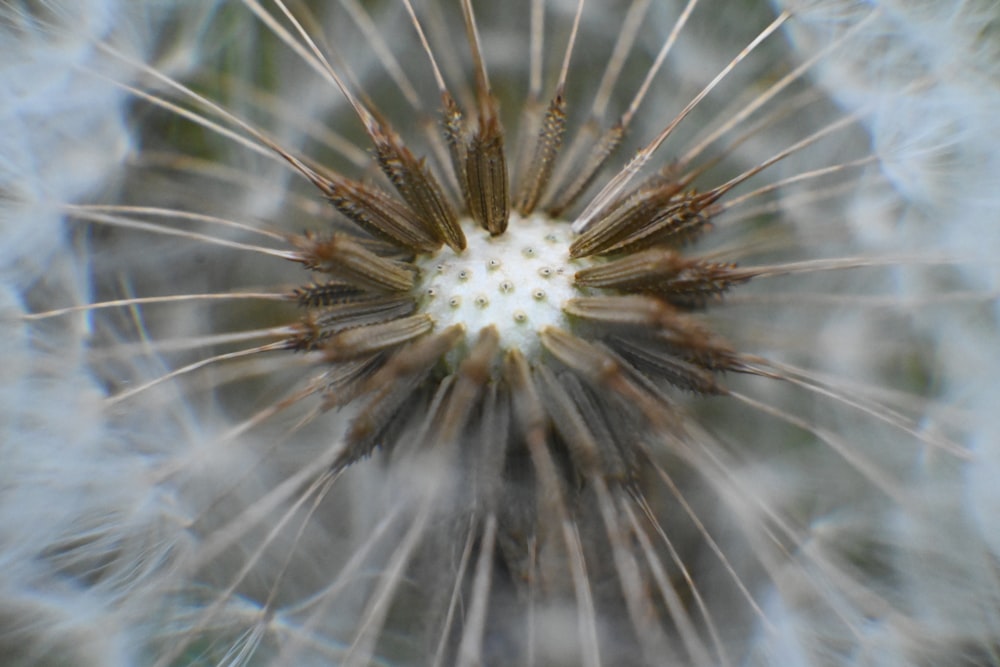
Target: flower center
517, 281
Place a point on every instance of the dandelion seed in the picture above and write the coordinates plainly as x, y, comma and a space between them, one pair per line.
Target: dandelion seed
521, 396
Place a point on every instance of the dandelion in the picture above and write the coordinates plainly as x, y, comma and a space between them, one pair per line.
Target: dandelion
559, 333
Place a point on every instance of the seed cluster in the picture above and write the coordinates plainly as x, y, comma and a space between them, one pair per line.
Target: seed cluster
510, 343
497, 294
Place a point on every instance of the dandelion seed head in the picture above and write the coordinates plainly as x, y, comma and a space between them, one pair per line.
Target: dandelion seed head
472, 446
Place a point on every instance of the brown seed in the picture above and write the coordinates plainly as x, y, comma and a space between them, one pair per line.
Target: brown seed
360, 341
654, 361
646, 207
391, 387
596, 159
419, 188
327, 294
473, 374
318, 326
453, 125
379, 214
486, 171
543, 159
662, 271
341, 256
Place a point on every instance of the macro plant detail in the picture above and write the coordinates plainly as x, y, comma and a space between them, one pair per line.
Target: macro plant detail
451, 333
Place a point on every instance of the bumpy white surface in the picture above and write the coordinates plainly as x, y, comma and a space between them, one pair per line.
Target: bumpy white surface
517, 281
